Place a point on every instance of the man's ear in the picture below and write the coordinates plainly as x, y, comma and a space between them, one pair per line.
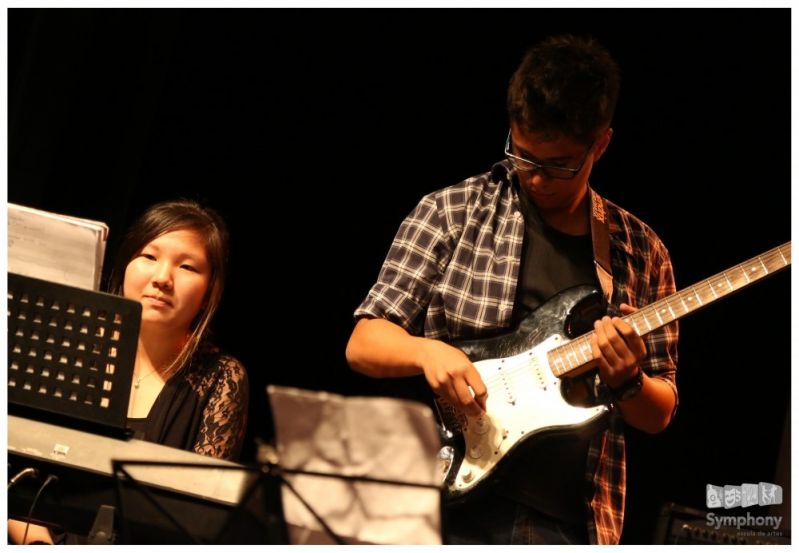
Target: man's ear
602, 143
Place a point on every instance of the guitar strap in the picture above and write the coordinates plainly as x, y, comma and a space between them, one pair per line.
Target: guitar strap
600, 237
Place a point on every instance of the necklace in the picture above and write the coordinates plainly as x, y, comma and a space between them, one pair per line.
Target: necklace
140, 378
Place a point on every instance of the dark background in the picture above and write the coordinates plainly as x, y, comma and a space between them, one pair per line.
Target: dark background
342, 119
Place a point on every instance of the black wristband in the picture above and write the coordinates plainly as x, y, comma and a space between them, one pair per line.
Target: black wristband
630, 388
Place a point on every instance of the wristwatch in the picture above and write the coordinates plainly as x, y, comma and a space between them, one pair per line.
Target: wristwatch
630, 388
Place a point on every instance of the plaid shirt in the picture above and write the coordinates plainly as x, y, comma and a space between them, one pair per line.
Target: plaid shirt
451, 273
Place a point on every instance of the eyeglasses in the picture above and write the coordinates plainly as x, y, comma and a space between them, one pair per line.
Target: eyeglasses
552, 171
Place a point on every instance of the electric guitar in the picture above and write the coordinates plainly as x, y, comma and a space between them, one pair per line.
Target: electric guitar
530, 372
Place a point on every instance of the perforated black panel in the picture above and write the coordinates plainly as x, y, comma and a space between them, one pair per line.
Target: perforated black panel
70, 352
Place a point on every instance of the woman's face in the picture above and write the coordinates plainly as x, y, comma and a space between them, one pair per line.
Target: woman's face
170, 277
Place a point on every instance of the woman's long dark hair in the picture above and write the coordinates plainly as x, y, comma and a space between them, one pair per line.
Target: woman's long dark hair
167, 217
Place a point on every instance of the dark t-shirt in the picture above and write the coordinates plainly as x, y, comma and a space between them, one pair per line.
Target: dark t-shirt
551, 262
548, 474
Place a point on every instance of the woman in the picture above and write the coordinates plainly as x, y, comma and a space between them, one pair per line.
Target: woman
185, 393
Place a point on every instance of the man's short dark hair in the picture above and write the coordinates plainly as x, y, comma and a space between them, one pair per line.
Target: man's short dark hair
566, 85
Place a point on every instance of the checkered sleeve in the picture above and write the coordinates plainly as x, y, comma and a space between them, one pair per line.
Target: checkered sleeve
412, 268
661, 345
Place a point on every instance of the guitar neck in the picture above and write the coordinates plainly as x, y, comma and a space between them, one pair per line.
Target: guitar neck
576, 357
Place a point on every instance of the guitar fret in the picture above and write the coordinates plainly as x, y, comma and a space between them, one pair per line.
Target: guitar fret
763, 264
697, 295
571, 357
773, 263
579, 345
585, 348
715, 295
729, 284
557, 362
673, 316
785, 261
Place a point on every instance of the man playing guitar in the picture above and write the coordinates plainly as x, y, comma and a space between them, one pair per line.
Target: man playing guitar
482, 255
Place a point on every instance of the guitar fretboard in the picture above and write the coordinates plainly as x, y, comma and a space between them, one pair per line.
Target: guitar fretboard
577, 353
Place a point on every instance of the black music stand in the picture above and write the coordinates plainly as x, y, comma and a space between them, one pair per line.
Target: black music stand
148, 514
164, 517
71, 354
153, 515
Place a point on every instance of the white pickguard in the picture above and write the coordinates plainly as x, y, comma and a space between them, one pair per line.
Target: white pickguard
523, 398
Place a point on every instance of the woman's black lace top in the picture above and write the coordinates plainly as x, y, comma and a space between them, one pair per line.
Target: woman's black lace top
203, 408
